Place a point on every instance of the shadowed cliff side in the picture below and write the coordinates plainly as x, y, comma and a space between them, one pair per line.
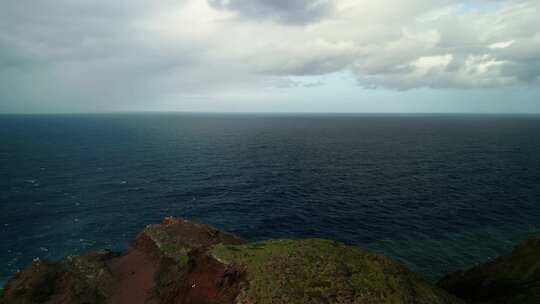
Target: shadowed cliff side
512, 279
178, 261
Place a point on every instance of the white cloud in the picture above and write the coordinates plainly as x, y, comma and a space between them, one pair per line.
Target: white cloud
438, 64
501, 45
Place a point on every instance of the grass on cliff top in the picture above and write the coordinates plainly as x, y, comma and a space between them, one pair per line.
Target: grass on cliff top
320, 271
176, 252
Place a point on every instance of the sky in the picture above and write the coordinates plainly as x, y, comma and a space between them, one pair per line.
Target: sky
420, 56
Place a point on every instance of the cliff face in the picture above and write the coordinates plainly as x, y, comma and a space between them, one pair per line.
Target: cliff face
179, 261
160, 266
82, 279
508, 279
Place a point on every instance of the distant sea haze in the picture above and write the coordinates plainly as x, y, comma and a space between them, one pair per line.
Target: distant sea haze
437, 192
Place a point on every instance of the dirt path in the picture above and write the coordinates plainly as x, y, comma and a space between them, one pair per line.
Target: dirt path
135, 272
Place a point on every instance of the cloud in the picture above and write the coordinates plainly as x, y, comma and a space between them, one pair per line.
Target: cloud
93, 55
87, 55
501, 45
480, 47
287, 11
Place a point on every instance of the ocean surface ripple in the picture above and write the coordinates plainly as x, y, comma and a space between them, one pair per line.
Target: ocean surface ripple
437, 192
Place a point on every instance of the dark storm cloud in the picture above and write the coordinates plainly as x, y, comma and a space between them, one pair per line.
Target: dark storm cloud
286, 11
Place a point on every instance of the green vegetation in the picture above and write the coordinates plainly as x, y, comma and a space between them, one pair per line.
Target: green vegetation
183, 260
321, 271
176, 252
174, 249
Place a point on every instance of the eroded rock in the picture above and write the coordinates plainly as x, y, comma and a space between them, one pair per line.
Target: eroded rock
82, 279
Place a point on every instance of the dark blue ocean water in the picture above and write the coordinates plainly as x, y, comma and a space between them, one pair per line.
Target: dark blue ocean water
437, 192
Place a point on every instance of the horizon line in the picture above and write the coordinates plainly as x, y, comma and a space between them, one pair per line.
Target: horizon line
269, 113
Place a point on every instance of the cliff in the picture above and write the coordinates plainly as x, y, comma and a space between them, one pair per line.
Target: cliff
160, 266
506, 280
178, 261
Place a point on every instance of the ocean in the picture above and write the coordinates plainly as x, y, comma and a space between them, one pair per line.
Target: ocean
437, 192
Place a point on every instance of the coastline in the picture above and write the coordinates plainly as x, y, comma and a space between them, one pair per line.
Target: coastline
178, 261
